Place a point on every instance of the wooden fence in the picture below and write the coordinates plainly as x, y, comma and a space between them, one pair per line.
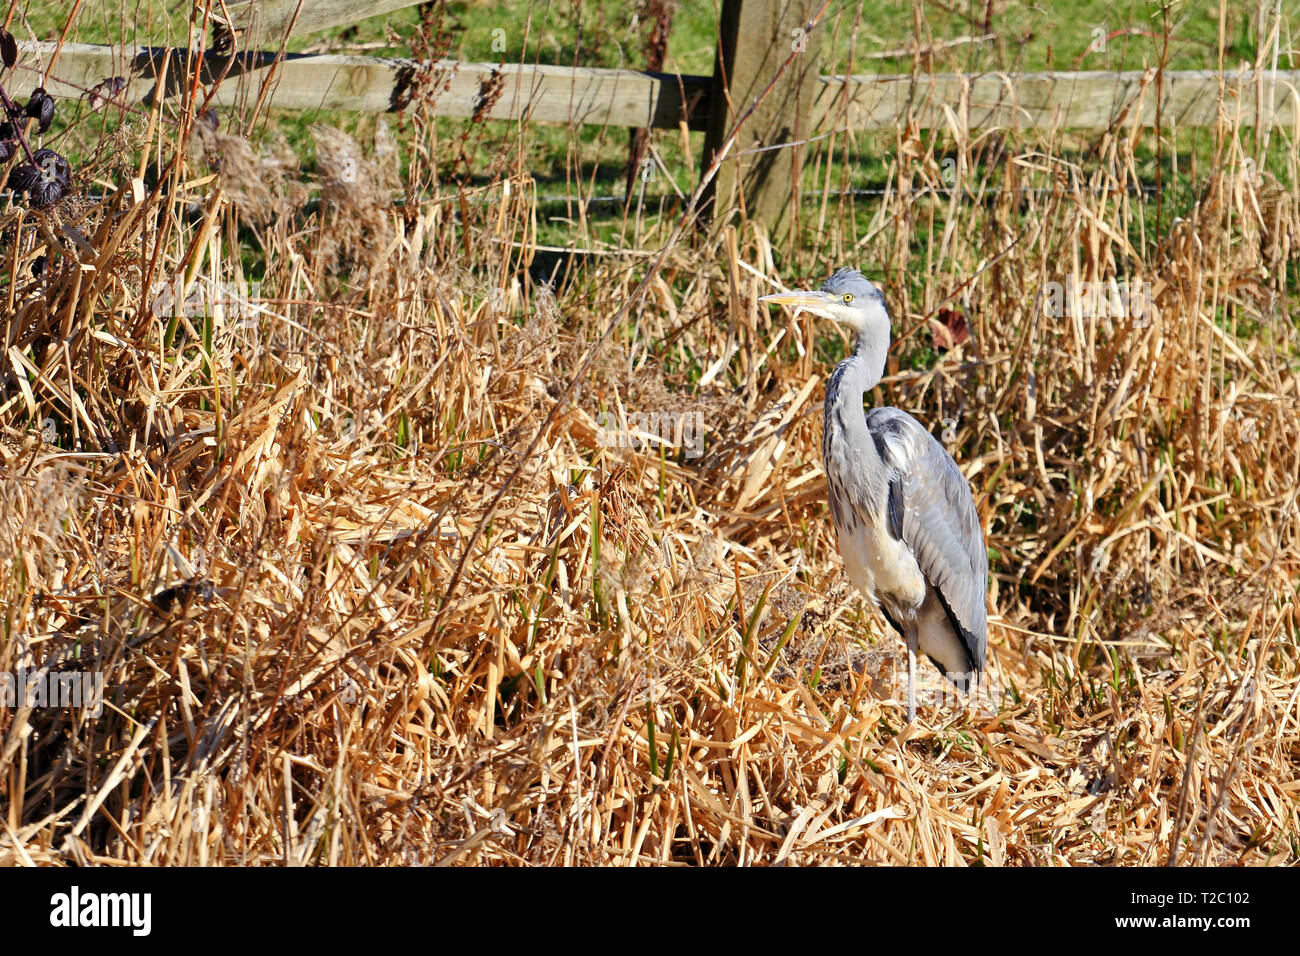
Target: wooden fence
756, 38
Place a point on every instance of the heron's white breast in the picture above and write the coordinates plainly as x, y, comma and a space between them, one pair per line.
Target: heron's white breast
877, 562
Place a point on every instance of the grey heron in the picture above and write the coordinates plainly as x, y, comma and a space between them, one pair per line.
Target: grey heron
904, 516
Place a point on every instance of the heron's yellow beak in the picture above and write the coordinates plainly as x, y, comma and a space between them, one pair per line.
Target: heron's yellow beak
814, 299
800, 297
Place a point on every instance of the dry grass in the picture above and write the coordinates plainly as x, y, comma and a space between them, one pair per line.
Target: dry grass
250, 519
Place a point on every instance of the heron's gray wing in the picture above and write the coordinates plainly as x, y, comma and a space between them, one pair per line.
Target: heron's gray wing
932, 511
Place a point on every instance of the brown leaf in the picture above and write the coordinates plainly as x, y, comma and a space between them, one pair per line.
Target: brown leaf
104, 91
949, 328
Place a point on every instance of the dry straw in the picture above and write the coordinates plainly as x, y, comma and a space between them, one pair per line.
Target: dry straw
254, 502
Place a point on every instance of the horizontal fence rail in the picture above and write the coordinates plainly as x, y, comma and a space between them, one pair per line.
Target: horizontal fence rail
1082, 100
557, 94
256, 24
542, 94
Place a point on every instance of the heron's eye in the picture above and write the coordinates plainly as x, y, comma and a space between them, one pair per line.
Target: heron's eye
848, 297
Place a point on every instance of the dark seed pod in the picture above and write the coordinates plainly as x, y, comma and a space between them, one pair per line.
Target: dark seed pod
23, 178
46, 182
223, 38
8, 48
7, 130
53, 166
41, 108
6, 150
47, 193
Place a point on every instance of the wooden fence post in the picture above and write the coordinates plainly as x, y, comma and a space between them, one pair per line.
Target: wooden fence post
755, 38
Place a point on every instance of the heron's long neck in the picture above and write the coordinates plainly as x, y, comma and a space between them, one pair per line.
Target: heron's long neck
845, 389
853, 464
859, 373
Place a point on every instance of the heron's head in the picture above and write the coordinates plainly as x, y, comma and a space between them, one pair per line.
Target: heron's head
847, 297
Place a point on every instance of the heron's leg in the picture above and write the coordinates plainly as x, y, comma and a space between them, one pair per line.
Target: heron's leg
911, 677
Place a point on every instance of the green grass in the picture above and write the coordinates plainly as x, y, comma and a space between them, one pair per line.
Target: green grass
590, 161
